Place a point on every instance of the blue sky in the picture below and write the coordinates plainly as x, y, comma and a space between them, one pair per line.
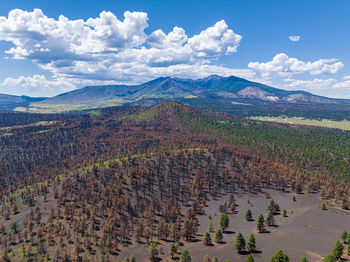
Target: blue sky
104, 42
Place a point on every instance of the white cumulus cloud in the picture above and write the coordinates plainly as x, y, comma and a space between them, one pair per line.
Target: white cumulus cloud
109, 48
314, 84
342, 85
285, 66
42, 39
40, 85
294, 38
329, 87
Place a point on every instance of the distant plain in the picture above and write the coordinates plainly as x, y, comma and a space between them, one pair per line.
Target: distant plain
344, 125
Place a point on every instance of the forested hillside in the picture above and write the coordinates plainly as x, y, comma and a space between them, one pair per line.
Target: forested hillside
320, 151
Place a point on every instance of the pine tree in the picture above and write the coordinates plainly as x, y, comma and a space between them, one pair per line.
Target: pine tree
276, 207
270, 220
271, 206
330, 258
260, 223
284, 213
218, 236
132, 258
280, 257
248, 215
172, 250
304, 260
206, 258
344, 236
223, 222
338, 250
251, 243
206, 239
185, 256
239, 242
190, 228
152, 252
250, 258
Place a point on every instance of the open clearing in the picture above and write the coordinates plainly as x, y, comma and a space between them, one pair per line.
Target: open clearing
344, 125
43, 108
307, 231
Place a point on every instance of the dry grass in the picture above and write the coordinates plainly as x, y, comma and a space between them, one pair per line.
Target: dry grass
344, 125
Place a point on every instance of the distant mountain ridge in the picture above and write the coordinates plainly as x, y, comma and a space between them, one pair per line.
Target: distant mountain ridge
171, 88
9, 102
212, 88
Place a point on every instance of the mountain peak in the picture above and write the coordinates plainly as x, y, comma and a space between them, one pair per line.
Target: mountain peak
213, 77
172, 108
168, 111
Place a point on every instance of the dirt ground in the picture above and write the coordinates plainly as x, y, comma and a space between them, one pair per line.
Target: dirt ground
307, 231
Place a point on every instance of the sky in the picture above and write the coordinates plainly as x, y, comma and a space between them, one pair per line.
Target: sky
50, 47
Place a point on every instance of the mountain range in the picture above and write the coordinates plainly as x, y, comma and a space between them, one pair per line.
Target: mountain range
210, 90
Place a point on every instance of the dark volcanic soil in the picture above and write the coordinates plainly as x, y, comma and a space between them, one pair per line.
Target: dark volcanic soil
307, 231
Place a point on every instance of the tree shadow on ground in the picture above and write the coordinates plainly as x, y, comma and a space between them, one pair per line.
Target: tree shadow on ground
244, 252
